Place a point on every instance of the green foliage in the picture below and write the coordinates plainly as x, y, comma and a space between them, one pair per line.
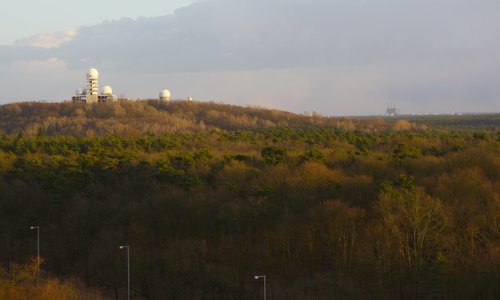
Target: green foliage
314, 154
481, 135
403, 182
273, 155
404, 151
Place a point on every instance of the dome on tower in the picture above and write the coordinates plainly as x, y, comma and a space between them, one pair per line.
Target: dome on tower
165, 95
92, 73
107, 90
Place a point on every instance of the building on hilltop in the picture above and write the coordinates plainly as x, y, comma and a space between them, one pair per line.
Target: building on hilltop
165, 95
90, 94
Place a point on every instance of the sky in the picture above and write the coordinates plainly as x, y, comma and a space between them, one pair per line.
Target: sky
25, 18
333, 57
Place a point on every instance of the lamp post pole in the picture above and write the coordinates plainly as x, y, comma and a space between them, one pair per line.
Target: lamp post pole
257, 277
37, 251
128, 269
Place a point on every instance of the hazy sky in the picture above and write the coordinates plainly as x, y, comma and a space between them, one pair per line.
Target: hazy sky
23, 18
335, 57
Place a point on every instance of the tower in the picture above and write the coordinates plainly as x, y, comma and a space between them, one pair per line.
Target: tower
90, 94
92, 85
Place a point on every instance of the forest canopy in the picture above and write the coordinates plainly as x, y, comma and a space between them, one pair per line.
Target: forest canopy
209, 195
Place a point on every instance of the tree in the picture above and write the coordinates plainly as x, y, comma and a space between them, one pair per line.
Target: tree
314, 154
273, 155
416, 223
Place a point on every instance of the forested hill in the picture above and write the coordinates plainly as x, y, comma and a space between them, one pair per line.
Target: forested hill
207, 196
138, 117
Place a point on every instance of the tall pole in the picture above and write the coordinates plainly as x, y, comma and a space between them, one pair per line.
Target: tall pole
128, 269
37, 252
265, 292
263, 277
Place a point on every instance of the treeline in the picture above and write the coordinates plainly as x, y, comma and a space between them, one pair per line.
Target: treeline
478, 121
325, 212
133, 118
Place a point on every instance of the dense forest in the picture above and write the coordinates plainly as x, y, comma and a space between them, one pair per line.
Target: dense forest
209, 195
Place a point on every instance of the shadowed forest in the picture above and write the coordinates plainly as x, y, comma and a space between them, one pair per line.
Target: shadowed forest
209, 195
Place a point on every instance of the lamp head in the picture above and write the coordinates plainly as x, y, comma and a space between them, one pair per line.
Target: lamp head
256, 277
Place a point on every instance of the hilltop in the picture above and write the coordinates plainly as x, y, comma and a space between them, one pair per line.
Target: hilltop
151, 116
133, 118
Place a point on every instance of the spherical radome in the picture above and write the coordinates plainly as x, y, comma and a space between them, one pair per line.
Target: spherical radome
92, 73
165, 94
107, 90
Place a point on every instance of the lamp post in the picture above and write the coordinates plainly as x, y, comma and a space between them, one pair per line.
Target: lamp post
257, 277
37, 251
128, 269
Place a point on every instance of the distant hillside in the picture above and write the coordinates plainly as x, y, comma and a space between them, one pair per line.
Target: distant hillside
151, 116
484, 121
132, 118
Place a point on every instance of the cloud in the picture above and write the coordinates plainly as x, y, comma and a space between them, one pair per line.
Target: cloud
47, 79
258, 34
334, 56
47, 40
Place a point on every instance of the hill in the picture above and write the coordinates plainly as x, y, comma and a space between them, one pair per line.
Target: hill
209, 195
128, 118
132, 118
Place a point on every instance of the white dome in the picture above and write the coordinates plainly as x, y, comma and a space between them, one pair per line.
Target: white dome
107, 90
92, 73
165, 94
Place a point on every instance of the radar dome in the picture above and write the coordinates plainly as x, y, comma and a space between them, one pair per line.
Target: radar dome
92, 73
165, 95
106, 90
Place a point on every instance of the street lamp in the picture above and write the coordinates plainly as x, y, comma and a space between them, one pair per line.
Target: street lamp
37, 251
128, 269
257, 277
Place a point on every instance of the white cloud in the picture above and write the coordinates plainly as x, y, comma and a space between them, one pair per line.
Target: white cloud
47, 40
